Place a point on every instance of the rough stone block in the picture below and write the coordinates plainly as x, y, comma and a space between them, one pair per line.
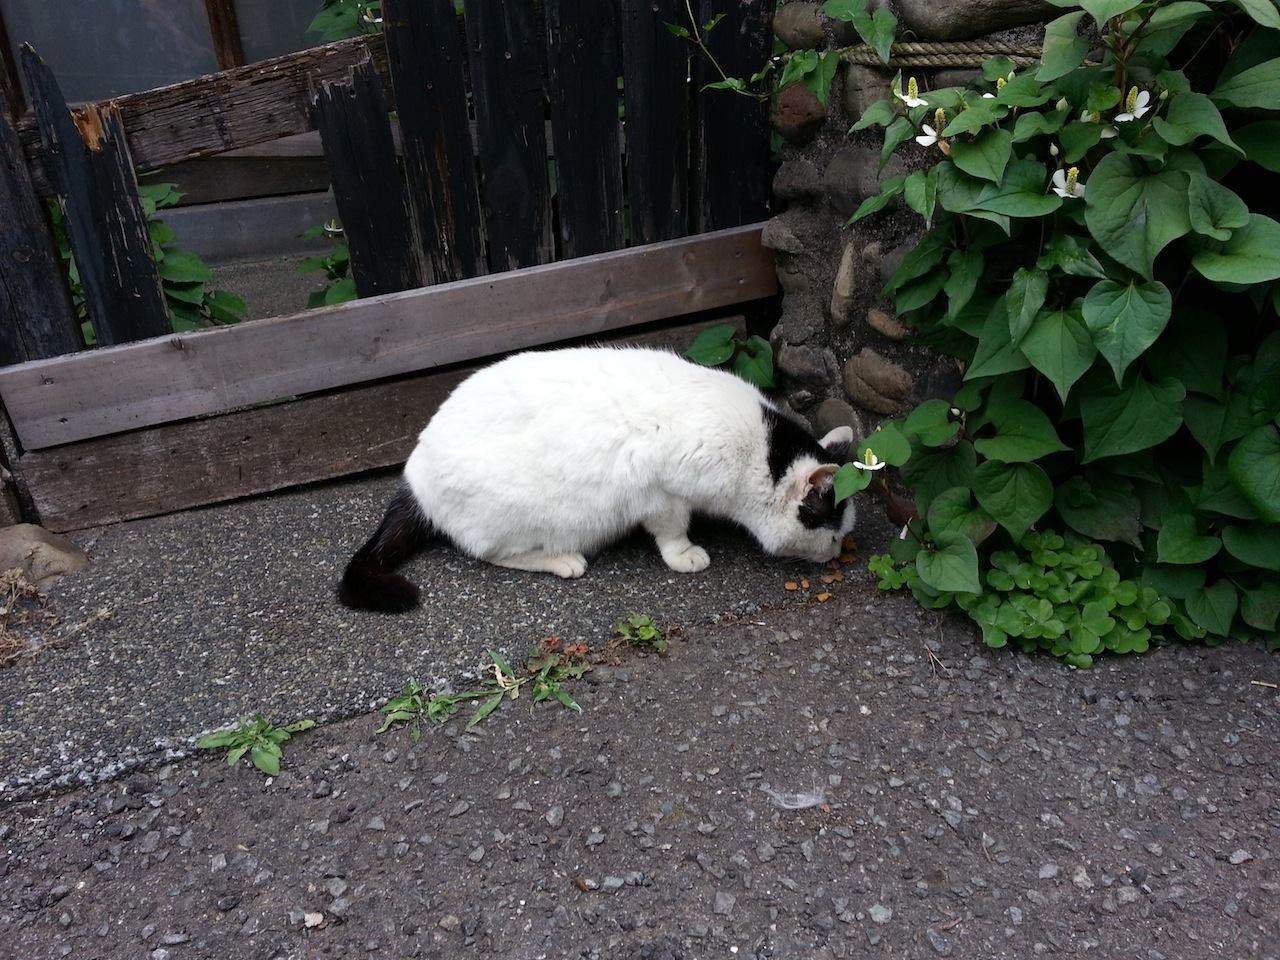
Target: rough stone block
966, 19
863, 86
955, 77
42, 556
799, 26
836, 413
876, 383
854, 174
798, 114
797, 180
808, 365
777, 235
845, 286
886, 324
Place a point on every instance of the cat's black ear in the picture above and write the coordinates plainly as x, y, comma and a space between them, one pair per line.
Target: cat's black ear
838, 443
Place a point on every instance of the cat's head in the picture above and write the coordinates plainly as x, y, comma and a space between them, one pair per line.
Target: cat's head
805, 521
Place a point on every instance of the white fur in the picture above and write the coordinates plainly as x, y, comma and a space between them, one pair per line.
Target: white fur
543, 458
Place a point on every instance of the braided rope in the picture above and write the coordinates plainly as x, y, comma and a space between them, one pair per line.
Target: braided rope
959, 54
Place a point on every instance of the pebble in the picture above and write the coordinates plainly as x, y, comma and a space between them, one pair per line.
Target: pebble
1080, 877
449, 922
376, 823
880, 913
724, 903
941, 945
555, 816
476, 855
1049, 871
459, 808
1240, 856
765, 852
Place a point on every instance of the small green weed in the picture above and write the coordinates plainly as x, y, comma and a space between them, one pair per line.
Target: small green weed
259, 738
640, 630
339, 286
547, 667
752, 359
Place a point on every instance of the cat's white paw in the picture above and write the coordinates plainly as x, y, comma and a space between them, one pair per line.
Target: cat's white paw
690, 560
570, 566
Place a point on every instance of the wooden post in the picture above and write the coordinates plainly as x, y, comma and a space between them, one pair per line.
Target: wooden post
91, 169
36, 318
10, 84
506, 80
224, 28
731, 173
427, 63
655, 85
583, 62
352, 117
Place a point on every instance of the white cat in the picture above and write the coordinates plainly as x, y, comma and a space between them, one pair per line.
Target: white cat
543, 458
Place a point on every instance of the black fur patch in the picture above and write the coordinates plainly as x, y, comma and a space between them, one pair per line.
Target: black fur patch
370, 581
788, 442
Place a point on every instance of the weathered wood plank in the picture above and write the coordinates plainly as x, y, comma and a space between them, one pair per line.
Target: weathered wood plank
582, 64
177, 466
10, 82
106, 391
105, 222
225, 111
654, 83
731, 170
215, 179
224, 28
35, 307
352, 116
427, 64
506, 82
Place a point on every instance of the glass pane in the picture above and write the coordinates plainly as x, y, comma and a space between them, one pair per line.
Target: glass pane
103, 48
269, 28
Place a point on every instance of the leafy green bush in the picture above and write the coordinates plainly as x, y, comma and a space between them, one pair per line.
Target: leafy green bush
184, 277
1101, 255
341, 19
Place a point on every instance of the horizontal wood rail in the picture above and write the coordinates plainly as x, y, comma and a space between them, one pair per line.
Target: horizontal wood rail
115, 389
181, 465
224, 111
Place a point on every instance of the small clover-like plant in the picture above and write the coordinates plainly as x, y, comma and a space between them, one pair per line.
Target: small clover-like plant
750, 358
640, 630
259, 738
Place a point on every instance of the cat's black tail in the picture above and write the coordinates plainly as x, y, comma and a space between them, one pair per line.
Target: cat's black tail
370, 581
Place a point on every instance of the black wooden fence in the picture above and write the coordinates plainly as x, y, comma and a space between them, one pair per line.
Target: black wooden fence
473, 190
560, 130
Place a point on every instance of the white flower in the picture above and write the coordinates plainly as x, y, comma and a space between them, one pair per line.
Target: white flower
1107, 133
988, 96
1053, 149
1135, 105
929, 137
1067, 185
912, 96
869, 461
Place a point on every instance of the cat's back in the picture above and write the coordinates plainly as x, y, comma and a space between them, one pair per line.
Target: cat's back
588, 389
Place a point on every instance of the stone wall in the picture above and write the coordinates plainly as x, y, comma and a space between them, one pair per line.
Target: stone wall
843, 356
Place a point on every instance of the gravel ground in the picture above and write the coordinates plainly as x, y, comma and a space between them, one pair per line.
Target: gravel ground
973, 805
221, 613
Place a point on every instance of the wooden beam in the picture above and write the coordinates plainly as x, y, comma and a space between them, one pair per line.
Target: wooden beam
183, 465
224, 28
431, 104
105, 221
36, 318
107, 391
10, 82
386, 256
226, 111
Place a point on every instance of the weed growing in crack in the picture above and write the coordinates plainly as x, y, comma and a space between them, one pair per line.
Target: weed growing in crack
548, 666
260, 739
640, 630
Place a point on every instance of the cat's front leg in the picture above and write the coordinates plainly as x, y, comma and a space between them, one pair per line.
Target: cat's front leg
670, 529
